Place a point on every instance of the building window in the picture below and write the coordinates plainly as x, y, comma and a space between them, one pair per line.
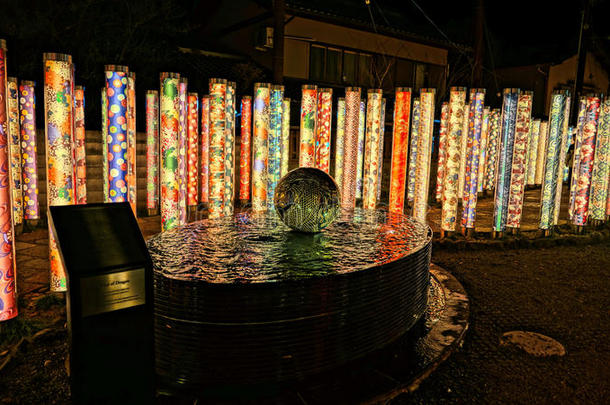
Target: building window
317, 62
350, 67
365, 75
333, 65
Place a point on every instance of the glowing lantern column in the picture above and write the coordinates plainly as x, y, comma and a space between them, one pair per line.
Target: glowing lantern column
105, 141
533, 151
182, 146
371, 150
400, 147
245, 149
339, 141
132, 186
564, 136
309, 113
424, 154
168, 144
205, 150
457, 99
285, 137
229, 152
14, 142
381, 145
442, 140
483, 149
361, 132
8, 287
413, 149
493, 140
218, 92
27, 119
276, 107
192, 149
323, 125
58, 99
350, 147
260, 146
582, 109
80, 156
541, 155
152, 151
601, 169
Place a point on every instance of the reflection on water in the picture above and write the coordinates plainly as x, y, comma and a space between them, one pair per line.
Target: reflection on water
255, 248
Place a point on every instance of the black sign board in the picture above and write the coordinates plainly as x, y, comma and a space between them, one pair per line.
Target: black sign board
109, 303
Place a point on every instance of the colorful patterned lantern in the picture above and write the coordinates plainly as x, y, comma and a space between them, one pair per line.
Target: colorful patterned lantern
192, 149
442, 140
600, 176
152, 150
371, 150
361, 132
551, 168
132, 182
229, 159
533, 151
27, 119
424, 154
8, 280
245, 149
541, 155
105, 141
205, 150
582, 110
471, 177
483, 150
563, 144
58, 99
381, 146
218, 92
116, 92
519, 166
276, 108
350, 148
285, 138
569, 142
505, 158
400, 146
79, 145
309, 111
340, 141
457, 99
413, 149
14, 142
260, 146
493, 141
182, 147
323, 125
463, 151
168, 150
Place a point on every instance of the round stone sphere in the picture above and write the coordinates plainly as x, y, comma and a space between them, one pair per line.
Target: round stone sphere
307, 199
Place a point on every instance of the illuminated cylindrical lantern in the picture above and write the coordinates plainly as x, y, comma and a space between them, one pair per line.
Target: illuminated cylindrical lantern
245, 149
371, 149
182, 147
533, 151
27, 119
229, 159
569, 143
192, 149
424, 154
541, 155
168, 150
582, 111
339, 141
463, 151
381, 145
483, 150
218, 92
152, 150
79, 146
116, 92
551, 167
204, 180
413, 149
260, 145
350, 148
601, 169
8, 280
58, 100
505, 158
563, 143
309, 111
14, 142
323, 126
105, 140
400, 147
274, 141
493, 140
475, 125
361, 140
457, 99
132, 180
442, 140
519, 166
285, 138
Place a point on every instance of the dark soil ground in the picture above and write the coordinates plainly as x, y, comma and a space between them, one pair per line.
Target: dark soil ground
561, 291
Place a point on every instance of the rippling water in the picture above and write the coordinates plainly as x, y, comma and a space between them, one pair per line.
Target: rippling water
259, 248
